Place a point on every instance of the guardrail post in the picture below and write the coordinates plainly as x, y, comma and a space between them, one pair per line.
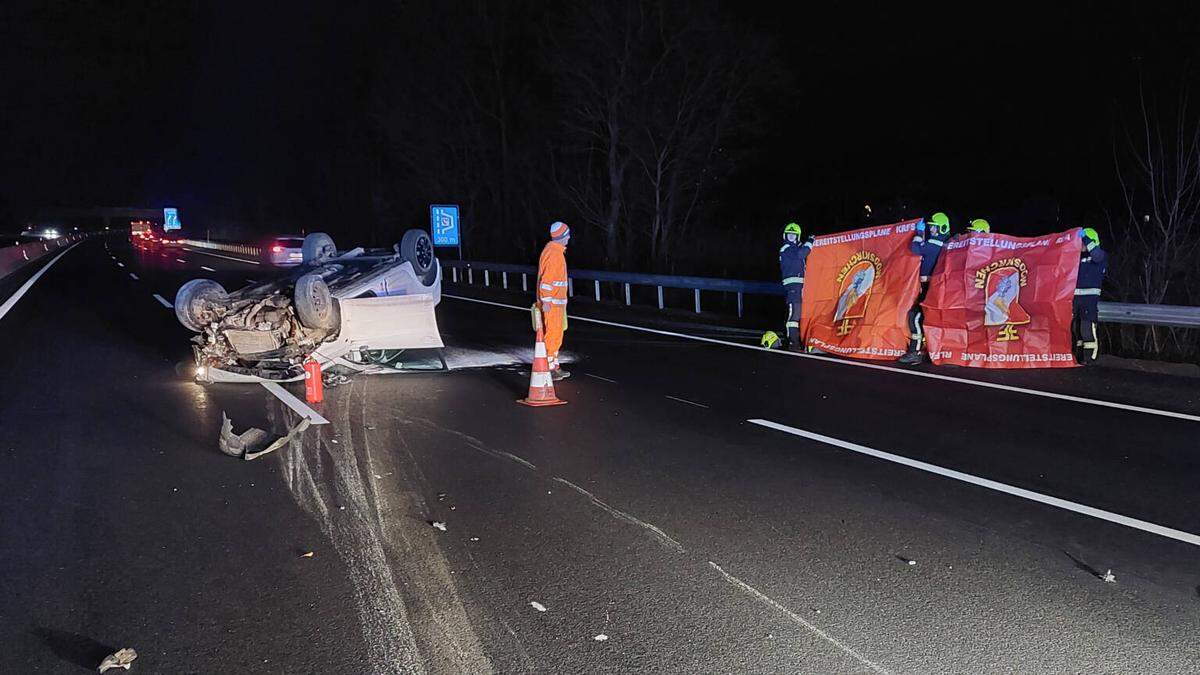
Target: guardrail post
597, 283
697, 300
524, 285
487, 278
570, 287
454, 274
660, 302
739, 304
626, 294
504, 279
470, 275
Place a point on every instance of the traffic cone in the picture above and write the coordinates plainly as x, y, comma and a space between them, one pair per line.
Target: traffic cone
541, 386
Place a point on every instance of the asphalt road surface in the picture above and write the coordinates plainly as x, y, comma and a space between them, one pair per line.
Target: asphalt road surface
696, 507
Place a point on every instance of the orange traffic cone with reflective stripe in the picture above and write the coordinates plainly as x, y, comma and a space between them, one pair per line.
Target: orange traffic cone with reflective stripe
541, 386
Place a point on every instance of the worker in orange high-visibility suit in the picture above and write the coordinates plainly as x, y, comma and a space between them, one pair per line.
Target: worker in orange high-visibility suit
552, 294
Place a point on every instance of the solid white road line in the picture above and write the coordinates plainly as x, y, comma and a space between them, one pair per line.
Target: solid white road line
218, 255
12, 300
796, 618
1111, 517
684, 400
863, 364
181, 260
603, 379
163, 301
207, 269
251, 281
133, 276
294, 403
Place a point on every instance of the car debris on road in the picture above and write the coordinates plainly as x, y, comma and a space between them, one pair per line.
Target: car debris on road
254, 442
122, 658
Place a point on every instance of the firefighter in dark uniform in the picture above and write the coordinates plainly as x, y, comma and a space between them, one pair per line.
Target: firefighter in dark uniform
928, 243
1093, 263
792, 258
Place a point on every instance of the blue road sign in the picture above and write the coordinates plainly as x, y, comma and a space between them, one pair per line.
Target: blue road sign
443, 224
171, 219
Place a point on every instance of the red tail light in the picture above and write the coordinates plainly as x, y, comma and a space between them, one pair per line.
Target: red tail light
276, 249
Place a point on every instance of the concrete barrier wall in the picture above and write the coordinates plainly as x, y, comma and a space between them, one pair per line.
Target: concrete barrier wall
13, 258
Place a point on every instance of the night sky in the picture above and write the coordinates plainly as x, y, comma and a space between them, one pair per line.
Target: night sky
236, 108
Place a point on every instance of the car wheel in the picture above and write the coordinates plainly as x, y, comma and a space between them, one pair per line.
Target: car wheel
314, 303
190, 300
417, 248
318, 247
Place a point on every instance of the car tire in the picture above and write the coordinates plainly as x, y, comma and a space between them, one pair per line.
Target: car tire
318, 247
417, 248
314, 303
187, 302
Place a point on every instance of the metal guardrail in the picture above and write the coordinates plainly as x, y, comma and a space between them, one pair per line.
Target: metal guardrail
1176, 316
228, 247
1173, 316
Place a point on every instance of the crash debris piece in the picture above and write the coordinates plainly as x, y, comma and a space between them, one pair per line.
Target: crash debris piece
308, 555
122, 658
538, 606
1109, 577
600, 638
438, 525
254, 442
912, 562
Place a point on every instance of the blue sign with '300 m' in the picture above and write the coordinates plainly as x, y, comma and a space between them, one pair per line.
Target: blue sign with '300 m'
443, 224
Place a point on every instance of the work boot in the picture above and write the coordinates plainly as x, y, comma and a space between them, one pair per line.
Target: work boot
559, 374
912, 358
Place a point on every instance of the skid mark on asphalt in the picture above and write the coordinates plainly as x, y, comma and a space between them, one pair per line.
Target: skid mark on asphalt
860, 364
390, 644
416, 555
668, 542
1101, 514
476, 443
795, 618
621, 515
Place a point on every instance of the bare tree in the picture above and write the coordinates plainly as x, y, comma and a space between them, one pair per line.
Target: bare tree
1158, 168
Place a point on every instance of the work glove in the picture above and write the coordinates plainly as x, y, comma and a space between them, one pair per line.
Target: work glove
921, 227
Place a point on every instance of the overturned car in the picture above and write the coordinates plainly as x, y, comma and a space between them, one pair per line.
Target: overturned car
362, 310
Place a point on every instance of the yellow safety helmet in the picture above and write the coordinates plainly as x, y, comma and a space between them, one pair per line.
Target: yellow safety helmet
980, 225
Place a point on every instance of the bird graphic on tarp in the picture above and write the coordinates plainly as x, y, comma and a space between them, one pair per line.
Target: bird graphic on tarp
1003, 294
855, 294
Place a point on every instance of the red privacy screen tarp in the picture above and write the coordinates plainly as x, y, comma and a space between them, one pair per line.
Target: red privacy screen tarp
996, 301
858, 288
